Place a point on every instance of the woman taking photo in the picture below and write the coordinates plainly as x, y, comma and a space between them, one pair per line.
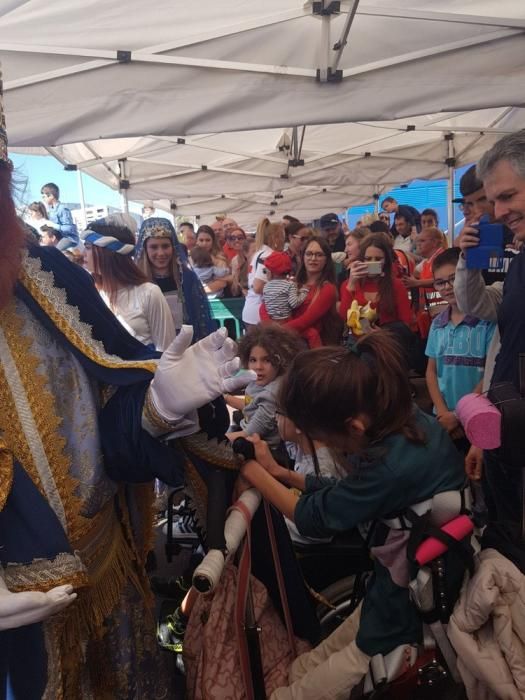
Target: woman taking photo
269, 237
358, 401
162, 259
372, 281
137, 303
317, 313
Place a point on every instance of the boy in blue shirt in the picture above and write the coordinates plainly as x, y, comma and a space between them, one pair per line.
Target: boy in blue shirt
457, 348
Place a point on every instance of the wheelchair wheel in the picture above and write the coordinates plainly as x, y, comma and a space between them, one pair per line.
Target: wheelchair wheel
340, 595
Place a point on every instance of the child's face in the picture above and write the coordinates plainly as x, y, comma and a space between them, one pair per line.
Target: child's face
259, 362
444, 282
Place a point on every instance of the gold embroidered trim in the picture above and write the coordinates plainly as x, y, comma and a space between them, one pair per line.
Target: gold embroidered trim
44, 574
6, 473
217, 454
43, 411
112, 565
53, 300
155, 423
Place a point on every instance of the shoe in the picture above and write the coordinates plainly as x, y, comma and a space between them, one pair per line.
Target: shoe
173, 588
185, 529
171, 628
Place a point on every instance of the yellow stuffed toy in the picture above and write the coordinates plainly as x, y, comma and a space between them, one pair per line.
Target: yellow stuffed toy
359, 319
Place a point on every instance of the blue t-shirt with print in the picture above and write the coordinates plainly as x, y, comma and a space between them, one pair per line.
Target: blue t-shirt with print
460, 352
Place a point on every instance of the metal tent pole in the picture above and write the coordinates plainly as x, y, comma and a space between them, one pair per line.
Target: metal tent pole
451, 164
123, 185
82, 198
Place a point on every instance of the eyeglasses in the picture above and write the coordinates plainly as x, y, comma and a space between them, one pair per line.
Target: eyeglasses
301, 238
441, 284
236, 238
311, 254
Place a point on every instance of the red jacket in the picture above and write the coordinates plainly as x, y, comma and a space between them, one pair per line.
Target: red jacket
402, 310
310, 314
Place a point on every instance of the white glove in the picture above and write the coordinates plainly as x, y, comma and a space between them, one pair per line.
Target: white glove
19, 609
189, 376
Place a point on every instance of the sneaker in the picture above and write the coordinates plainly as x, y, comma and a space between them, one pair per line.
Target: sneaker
185, 528
171, 628
173, 588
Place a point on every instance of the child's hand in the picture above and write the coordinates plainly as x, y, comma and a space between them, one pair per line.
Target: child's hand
233, 436
263, 455
474, 463
448, 421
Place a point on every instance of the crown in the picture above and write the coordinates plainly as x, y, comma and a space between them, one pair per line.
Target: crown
157, 231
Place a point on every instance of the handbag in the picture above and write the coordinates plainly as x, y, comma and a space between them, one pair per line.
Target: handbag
227, 628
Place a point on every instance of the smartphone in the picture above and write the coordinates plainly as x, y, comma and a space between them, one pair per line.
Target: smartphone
490, 249
375, 267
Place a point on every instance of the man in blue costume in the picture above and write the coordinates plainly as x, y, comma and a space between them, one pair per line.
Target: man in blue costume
82, 400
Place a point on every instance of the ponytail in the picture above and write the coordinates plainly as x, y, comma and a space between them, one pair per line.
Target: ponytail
324, 388
260, 233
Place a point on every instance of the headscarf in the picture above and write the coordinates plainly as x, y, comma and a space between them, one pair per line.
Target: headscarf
197, 311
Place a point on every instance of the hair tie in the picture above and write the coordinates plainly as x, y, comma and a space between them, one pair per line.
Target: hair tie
354, 348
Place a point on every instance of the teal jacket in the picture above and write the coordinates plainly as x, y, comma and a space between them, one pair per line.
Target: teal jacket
391, 476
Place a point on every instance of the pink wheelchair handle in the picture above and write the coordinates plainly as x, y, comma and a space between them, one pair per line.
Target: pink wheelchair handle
431, 548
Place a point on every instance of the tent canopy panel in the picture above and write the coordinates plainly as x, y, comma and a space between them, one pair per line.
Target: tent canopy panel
236, 65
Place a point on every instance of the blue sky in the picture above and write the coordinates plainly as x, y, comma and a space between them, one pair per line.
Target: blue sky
35, 171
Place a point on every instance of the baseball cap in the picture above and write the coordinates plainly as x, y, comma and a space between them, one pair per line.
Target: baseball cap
328, 220
468, 184
278, 263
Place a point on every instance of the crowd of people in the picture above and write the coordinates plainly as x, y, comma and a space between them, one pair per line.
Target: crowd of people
111, 355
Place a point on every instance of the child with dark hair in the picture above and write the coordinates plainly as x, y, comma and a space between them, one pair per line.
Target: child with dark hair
457, 347
267, 350
360, 402
206, 271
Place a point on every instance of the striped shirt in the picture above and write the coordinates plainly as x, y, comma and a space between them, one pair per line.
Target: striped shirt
281, 297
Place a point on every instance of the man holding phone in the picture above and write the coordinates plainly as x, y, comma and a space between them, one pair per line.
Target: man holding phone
502, 173
475, 205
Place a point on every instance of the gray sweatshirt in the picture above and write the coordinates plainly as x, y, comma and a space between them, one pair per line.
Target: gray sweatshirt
474, 297
259, 411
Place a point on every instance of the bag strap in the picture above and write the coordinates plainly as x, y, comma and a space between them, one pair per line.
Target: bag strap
280, 579
241, 598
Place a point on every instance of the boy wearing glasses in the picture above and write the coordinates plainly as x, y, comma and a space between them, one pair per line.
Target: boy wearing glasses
457, 348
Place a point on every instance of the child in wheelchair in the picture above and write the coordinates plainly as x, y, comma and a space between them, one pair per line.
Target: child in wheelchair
267, 350
359, 401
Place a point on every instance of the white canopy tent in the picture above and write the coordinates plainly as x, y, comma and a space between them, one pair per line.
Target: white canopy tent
304, 171
77, 71
103, 70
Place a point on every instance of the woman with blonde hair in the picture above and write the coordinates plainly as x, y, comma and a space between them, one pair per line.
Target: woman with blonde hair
163, 260
268, 237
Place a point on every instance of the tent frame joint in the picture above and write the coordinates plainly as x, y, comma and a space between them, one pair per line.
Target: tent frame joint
123, 56
328, 75
326, 7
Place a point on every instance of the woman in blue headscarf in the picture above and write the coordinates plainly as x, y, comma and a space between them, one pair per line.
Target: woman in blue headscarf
161, 257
